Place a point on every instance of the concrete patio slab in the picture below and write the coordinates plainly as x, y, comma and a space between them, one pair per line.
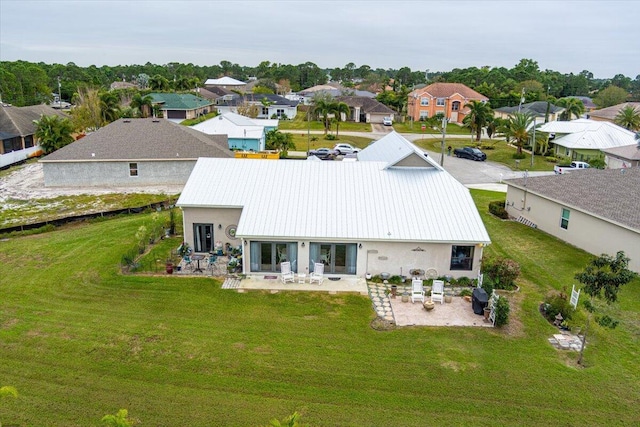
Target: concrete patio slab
273, 283
456, 313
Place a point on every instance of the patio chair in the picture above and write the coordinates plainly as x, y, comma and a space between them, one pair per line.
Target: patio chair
317, 275
286, 274
188, 263
417, 290
437, 291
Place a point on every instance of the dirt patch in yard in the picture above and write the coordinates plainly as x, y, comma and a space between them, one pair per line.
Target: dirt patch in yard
26, 182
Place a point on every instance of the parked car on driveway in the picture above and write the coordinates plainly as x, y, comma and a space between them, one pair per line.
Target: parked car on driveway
323, 153
573, 166
470, 153
387, 121
345, 149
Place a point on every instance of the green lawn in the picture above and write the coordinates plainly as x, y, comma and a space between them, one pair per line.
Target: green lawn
80, 340
300, 123
416, 127
316, 141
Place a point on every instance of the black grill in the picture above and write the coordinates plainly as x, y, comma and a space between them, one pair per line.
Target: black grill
479, 300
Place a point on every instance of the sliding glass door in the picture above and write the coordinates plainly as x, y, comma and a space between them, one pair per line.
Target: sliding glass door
267, 256
338, 258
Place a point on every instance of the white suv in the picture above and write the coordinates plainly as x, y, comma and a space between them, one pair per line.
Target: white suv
387, 121
345, 149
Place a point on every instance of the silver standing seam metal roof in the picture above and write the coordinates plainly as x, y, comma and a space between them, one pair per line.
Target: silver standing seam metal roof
339, 201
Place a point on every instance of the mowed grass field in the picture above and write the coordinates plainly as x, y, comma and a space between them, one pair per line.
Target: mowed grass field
79, 340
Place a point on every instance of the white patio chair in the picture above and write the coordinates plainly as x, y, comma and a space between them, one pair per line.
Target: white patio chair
417, 290
437, 291
317, 275
286, 274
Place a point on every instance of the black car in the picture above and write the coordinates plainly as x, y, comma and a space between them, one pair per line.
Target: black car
470, 153
323, 153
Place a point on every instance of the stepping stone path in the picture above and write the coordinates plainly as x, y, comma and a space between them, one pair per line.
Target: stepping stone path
566, 341
380, 300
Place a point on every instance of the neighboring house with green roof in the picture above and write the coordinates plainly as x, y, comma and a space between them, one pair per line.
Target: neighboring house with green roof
595, 210
17, 131
181, 106
132, 152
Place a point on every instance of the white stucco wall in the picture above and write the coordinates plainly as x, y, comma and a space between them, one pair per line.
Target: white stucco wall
591, 234
116, 173
220, 218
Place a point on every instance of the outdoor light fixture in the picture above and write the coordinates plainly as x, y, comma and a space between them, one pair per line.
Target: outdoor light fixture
245, 243
302, 244
360, 246
219, 226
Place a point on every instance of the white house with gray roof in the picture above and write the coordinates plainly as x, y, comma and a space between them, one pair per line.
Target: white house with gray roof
595, 210
132, 152
393, 210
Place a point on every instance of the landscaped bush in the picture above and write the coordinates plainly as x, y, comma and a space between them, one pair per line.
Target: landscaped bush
395, 280
466, 292
501, 272
497, 209
519, 156
555, 303
330, 137
464, 281
551, 159
502, 311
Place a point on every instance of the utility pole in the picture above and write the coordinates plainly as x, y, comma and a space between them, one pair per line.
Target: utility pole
444, 134
308, 131
521, 100
533, 144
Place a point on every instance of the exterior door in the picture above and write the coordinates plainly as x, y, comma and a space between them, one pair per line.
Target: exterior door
267, 256
203, 237
338, 258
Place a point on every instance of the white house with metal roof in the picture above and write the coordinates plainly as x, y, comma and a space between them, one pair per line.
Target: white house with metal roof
243, 132
392, 211
582, 139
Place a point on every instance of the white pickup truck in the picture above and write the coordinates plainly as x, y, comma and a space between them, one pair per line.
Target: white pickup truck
574, 166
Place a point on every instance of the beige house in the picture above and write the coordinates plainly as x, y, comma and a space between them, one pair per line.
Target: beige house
445, 98
627, 156
367, 216
595, 210
609, 114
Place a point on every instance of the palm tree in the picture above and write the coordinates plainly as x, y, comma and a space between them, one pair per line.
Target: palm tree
322, 108
142, 104
476, 119
159, 82
572, 107
628, 118
110, 105
517, 127
338, 109
53, 132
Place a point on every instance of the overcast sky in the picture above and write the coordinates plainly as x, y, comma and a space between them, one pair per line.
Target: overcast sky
602, 37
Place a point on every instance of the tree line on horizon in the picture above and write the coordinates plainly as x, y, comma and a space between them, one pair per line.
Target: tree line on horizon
26, 83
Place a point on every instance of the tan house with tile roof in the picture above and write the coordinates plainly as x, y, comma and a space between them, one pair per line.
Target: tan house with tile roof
609, 114
595, 210
627, 156
446, 98
132, 152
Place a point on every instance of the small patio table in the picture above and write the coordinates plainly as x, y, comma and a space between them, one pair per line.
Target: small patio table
197, 257
302, 277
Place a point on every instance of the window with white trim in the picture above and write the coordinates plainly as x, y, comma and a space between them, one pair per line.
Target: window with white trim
440, 102
564, 219
424, 102
133, 169
424, 114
